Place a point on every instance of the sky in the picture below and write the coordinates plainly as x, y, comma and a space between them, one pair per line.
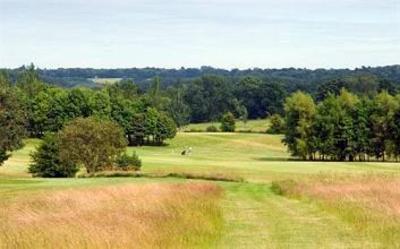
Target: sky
192, 33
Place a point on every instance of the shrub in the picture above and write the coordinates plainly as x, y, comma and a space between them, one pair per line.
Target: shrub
128, 162
212, 128
277, 125
228, 122
47, 162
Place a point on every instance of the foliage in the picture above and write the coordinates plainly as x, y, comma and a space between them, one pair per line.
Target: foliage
185, 95
277, 124
299, 113
151, 127
46, 161
209, 98
128, 162
344, 127
228, 122
212, 128
12, 120
91, 142
177, 107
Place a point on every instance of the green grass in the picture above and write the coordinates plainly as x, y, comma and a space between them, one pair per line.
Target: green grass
257, 126
255, 217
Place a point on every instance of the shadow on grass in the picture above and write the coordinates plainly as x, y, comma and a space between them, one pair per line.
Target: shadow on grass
275, 159
278, 159
180, 175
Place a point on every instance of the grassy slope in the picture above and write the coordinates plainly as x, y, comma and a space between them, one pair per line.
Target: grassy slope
255, 217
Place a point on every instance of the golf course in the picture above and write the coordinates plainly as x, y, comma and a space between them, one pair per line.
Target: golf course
234, 190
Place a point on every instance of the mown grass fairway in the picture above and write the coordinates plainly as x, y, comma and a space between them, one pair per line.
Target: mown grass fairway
253, 216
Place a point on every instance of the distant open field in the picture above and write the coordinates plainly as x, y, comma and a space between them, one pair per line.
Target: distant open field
105, 80
258, 126
282, 203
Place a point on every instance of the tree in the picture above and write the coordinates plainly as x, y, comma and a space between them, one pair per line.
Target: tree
166, 128
228, 122
91, 142
46, 161
158, 126
331, 87
125, 88
243, 114
137, 132
261, 98
12, 120
209, 98
154, 94
384, 108
78, 103
30, 86
300, 111
277, 124
362, 127
177, 108
100, 104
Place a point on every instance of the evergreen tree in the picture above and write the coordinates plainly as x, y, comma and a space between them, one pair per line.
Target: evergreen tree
46, 160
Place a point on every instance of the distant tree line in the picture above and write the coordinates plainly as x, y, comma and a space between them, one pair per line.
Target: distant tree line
293, 78
206, 93
343, 126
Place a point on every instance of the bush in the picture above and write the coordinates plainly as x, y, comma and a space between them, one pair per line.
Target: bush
228, 122
128, 162
47, 162
277, 125
212, 128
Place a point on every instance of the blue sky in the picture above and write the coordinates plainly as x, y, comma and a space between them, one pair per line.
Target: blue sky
192, 33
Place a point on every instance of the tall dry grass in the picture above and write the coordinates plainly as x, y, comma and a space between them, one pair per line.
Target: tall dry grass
371, 203
127, 216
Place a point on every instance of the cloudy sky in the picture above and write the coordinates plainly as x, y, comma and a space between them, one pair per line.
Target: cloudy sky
192, 33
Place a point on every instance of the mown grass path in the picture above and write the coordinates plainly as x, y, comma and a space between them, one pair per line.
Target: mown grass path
258, 218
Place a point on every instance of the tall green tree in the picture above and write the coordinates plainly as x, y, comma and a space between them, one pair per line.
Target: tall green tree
12, 120
177, 108
384, 108
300, 111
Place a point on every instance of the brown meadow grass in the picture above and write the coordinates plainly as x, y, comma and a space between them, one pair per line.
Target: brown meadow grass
185, 215
371, 203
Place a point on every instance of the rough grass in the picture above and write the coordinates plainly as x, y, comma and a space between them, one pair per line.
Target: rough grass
126, 216
370, 203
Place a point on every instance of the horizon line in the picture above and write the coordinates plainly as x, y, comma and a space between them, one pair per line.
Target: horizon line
204, 66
